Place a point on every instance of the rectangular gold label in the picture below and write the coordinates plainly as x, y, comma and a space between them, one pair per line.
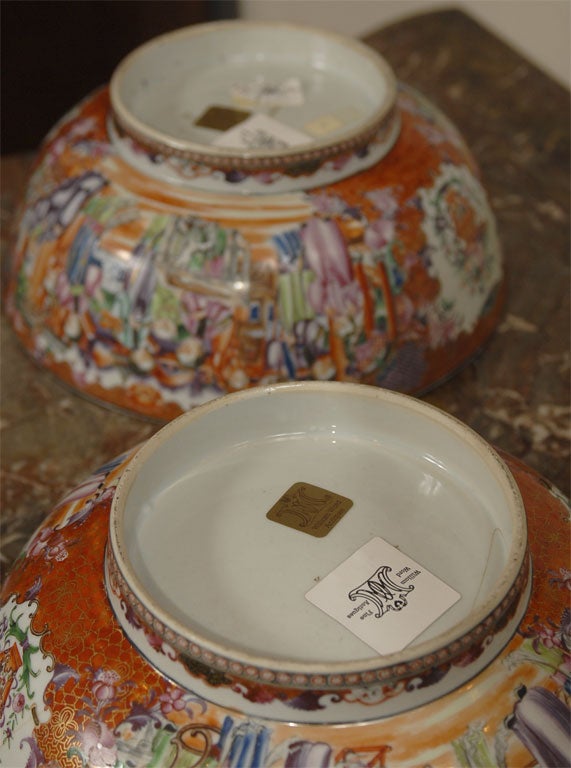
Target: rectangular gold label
309, 509
221, 118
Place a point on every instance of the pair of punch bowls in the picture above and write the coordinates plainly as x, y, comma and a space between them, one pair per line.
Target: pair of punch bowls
262, 212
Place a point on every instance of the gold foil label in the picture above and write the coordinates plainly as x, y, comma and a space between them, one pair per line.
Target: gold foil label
221, 118
309, 509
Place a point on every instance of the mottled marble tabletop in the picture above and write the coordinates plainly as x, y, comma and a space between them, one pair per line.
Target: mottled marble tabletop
515, 394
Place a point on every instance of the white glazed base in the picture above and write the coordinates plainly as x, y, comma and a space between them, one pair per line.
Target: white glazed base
208, 555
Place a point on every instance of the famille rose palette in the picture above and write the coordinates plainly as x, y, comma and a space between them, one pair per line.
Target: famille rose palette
247, 204
299, 575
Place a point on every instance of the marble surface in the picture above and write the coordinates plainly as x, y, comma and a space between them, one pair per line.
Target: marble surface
515, 394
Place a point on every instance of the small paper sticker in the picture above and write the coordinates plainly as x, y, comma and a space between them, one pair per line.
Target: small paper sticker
323, 125
382, 596
310, 509
333, 121
261, 132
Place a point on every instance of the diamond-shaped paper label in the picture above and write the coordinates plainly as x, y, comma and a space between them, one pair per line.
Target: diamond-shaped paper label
261, 132
384, 597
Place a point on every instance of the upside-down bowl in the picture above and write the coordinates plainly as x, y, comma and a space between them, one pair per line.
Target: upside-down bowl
249, 203
311, 574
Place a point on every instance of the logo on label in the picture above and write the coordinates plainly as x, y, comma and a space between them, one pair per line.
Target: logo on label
380, 590
376, 582
310, 509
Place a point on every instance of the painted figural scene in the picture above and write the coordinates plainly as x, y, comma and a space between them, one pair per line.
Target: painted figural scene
382, 278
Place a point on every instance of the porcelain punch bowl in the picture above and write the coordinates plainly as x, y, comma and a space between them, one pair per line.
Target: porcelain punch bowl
248, 204
340, 577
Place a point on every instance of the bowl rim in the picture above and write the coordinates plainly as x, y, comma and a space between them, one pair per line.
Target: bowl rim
455, 641
228, 157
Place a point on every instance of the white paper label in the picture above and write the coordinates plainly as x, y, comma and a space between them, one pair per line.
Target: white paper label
261, 132
382, 596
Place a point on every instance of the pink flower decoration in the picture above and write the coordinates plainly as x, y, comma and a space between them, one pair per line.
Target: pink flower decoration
172, 701
98, 745
384, 201
549, 637
19, 702
105, 685
327, 205
57, 552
